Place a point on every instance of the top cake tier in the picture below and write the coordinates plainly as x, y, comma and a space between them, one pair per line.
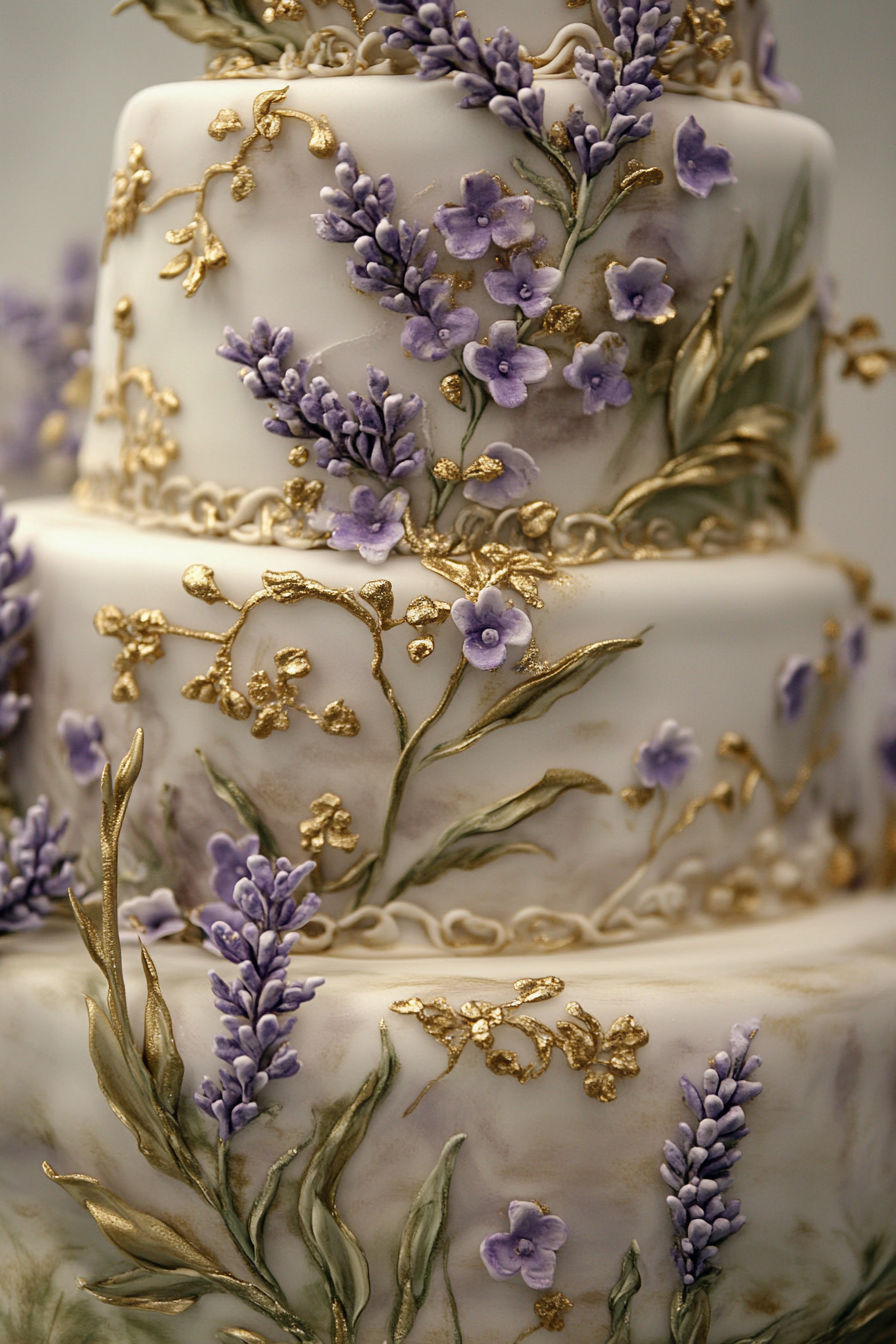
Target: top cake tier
577, 313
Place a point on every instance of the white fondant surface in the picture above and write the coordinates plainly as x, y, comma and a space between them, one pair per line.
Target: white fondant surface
280, 269
716, 634
817, 1180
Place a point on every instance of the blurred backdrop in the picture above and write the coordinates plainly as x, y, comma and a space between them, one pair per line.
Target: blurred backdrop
66, 68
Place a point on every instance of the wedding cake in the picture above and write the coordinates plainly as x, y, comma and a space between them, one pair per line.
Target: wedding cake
458, 375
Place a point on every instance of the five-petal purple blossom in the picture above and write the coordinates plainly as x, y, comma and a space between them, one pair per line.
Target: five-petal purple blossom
148, 918
519, 473
698, 166
488, 626
528, 1249
486, 216
506, 366
372, 526
639, 291
664, 761
525, 286
597, 370
83, 739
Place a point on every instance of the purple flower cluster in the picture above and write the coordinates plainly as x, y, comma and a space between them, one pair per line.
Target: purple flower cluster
372, 436
392, 260
489, 74
620, 81
529, 1248
698, 1167
52, 337
16, 612
33, 869
258, 939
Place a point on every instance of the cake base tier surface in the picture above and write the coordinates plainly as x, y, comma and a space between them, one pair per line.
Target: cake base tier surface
751, 826
817, 1179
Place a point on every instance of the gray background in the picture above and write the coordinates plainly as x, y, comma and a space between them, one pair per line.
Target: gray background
66, 68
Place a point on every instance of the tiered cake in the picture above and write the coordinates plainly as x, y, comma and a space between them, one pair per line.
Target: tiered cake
471, 572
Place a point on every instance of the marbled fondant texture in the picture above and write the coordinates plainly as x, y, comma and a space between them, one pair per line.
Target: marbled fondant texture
715, 639
816, 1181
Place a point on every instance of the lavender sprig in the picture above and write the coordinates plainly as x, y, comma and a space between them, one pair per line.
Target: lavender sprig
698, 1168
372, 436
33, 869
491, 75
621, 80
392, 260
16, 613
255, 1049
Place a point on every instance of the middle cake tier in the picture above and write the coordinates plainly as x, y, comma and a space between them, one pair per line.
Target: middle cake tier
664, 745
585, 333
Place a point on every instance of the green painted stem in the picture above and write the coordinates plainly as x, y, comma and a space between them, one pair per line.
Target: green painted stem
236, 1228
577, 236
402, 775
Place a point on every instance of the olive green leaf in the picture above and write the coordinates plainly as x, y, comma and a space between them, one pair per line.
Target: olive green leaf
160, 1053
557, 199
225, 24
420, 1241
267, 1194
148, 1241
532, 698
499, 817
149, 1290
695, 380
333, 1247
242, 1337
785, 313
766, 1336
230, 792
691, 1314
467, 859
620, 1298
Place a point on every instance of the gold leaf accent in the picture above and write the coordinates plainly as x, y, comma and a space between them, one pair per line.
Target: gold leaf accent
603, 1057
484, 469
328, 825
551, 1309
562, 320
146, 445
637, 797
379, 595
421, 648
205, 252
427, 611
537, 519
446, 470
452, 388
199, 581
226, 121
558, 135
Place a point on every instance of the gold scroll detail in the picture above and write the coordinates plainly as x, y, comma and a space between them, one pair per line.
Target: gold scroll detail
146, 444
294, 11
201, 249
604, 1056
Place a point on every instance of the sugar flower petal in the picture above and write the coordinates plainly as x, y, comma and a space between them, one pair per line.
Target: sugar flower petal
664, 761
489, 625
639, 291
520, 471
596, 370
700, 167
528, 1249
372, 526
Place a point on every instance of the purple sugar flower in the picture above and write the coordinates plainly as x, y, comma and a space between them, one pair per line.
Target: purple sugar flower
440, 328
488, 626
886, 754
639, 291
698, 1166
148, 918
698, 166
216, 912
664, 761
525, 286
505, 366
528, 1249
230, 858
519, 473
33, 869
255, 1049
373, 526
597, 370
854, 646
777, 88
374, 438
486, 216
793, 685
83, 739
263, 342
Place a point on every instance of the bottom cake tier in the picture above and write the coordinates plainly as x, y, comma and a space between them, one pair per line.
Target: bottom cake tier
674, 749
817, 1179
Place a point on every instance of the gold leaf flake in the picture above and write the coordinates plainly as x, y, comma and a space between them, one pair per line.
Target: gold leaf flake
562, 320
421, 648
446, 470
452, 388
226, 121
537, 519
427, 611
199, 581
328, 825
